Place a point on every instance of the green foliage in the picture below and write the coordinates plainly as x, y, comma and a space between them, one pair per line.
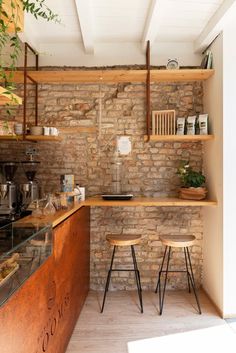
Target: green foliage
189, 177
10, 45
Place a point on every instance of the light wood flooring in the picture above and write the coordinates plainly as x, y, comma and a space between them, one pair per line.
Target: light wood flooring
121, 325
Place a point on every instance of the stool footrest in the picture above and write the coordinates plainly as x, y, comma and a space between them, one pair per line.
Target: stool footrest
122, 269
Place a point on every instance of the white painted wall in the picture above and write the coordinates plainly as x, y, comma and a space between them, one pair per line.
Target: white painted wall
213, 169
108, 54
229, 167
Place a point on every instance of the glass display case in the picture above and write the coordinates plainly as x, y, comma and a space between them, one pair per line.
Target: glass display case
24, 247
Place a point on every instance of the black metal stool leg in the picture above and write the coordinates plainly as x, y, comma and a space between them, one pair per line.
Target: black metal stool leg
137, 276
108, 279
186, 264
164, 289
193, 282
159, 276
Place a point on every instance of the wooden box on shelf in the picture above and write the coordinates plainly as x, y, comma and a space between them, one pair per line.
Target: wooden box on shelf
163, 122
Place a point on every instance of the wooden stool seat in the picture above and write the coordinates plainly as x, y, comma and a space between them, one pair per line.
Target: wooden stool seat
123, 239
178, 241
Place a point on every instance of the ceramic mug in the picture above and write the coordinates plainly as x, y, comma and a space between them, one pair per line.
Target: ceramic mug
46, 131
53, 131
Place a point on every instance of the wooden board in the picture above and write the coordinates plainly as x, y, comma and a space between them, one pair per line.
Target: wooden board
11, 137
17, 13
55, 219
42, 138
41, 315
180, 138
113, 76
11, 99
148, 201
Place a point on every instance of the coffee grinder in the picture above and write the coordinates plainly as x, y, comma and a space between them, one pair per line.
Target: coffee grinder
8, 189
30, 190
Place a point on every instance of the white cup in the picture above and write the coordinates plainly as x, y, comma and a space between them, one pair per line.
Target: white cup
46, 131
53, 131
18, 128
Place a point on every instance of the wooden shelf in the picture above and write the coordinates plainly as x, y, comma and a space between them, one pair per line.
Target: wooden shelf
113, 76
29, 138
10, 137
148, 201
42, 138
11, 98
181, 138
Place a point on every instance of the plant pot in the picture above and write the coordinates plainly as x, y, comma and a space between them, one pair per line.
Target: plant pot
193, 193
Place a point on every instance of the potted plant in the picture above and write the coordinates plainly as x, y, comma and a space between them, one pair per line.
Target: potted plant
192, 183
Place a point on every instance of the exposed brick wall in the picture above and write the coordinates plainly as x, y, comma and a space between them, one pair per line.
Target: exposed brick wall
150, 170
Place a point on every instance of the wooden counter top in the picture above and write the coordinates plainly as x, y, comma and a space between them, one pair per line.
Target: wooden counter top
60, 216
148, 201
55, 219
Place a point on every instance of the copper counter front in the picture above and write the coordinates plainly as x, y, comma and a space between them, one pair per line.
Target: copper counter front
41, 315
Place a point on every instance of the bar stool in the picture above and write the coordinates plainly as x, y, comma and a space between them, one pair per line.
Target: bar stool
124, 240
172, 241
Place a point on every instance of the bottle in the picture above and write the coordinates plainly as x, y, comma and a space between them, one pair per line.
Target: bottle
49, 209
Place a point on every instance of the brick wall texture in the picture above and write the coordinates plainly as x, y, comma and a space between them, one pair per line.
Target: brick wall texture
150, 170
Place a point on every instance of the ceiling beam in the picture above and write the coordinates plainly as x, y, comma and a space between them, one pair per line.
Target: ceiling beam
84, 14
151, 25
214, 26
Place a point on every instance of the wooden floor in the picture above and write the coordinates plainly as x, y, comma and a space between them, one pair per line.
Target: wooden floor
122, 323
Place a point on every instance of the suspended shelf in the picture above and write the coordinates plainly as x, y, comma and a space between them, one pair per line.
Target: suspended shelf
113, 76
181, 138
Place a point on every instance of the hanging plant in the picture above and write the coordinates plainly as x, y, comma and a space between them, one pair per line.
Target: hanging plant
10, 44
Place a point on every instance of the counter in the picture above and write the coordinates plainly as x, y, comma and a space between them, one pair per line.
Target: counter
40, 316
148, 201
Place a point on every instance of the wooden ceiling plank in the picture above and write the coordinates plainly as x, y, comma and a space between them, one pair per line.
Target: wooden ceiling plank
151, 25
85, 21
214, 26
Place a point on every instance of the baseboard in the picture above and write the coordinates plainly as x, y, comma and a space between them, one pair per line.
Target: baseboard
219, 311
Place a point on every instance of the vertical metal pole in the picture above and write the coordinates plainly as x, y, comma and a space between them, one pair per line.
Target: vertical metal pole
36, 90
148, 90
25, 92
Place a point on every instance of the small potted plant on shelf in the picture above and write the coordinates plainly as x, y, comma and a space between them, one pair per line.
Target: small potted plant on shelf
192, 183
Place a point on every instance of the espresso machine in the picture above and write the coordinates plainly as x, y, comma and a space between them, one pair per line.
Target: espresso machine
30, 190
8, 189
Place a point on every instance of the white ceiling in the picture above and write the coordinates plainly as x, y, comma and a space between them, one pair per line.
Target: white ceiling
107, 25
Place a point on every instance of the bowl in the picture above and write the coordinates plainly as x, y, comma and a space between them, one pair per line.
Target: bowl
36, 130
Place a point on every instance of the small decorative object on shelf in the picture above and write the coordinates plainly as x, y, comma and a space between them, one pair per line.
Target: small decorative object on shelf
172, 64
163, 122
207, 61
192, 182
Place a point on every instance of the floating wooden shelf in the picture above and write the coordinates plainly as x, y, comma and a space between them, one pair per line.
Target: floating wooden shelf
10, 137
30, 138
42, 138
11, 98
148, 201
113, 76
181, 138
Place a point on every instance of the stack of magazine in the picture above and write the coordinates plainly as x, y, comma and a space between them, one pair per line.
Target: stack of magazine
207, 61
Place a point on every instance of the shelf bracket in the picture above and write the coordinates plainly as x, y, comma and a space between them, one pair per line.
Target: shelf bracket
148, 90
27, 77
